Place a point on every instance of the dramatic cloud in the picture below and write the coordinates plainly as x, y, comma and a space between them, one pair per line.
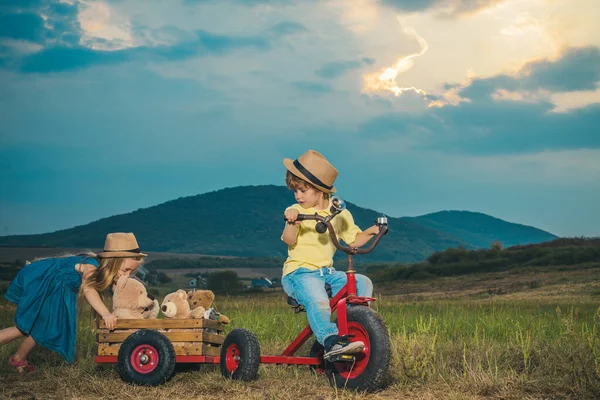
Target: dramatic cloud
339, 68
313, 87
578, 69
26, 26
444, 7
493, 121
149, 97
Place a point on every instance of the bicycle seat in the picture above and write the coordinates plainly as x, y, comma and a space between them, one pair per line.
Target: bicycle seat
299, 307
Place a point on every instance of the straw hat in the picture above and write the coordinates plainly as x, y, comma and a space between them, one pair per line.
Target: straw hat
313, 168
121, 245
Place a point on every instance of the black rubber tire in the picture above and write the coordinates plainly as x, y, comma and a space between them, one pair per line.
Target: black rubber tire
166, 358
376, 370
249, 355
317, 350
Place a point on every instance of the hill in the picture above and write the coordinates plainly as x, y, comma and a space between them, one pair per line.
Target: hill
481, 230
575, 253
247, 221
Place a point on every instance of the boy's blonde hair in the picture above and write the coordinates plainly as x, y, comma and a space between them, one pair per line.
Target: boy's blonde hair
294, 183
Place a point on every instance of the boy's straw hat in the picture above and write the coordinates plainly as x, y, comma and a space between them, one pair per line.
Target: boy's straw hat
313, 168
121, 245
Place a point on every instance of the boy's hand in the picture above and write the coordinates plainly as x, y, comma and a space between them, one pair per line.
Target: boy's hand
291, 215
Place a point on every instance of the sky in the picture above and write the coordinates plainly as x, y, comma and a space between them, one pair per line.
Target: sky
422, 105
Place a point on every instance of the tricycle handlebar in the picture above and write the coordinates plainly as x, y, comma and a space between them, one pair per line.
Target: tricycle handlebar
381, 223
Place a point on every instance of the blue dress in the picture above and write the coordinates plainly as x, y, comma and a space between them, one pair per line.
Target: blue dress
45, 293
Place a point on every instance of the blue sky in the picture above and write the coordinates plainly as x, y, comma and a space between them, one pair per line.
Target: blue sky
482, 105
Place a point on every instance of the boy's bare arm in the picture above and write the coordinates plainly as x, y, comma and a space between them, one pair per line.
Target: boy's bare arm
363, 237
290, 233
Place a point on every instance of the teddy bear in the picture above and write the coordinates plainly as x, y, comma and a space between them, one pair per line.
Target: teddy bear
204, 299
175, 305
132, 301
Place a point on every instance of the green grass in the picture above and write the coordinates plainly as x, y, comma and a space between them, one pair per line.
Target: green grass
500, 347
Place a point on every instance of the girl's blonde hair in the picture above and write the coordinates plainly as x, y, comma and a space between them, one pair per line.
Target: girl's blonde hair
103, 277
294, 183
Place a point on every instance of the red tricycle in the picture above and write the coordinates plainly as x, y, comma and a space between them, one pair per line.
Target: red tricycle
148, 356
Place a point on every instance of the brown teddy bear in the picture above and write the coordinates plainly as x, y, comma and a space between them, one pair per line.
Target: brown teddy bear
204, 299
132, 301
175, 305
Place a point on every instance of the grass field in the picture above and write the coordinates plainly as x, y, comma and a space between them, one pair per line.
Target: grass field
512, 335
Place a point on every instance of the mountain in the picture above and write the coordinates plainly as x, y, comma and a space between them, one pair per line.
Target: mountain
248, 221
480, 229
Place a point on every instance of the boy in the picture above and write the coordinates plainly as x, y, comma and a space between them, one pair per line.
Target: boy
310, 254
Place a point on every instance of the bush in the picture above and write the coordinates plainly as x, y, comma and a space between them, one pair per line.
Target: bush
224, 282
459, 261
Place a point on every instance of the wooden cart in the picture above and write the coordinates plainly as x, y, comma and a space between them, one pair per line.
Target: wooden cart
146, 350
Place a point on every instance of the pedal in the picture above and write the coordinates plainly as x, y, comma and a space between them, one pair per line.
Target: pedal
341, 358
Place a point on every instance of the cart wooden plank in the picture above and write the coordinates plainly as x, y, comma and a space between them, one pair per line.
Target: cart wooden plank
105, 349
164, 324
192, 336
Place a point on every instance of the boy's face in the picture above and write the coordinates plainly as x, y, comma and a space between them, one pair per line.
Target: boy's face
307, 197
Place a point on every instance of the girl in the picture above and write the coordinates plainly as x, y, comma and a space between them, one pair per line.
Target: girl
46, 293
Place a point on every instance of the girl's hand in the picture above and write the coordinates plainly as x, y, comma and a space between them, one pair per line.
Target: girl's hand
110, 321
291, 216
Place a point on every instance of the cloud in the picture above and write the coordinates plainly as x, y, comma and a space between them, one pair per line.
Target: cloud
247, 3
494, 127
312, 87
40, 22
450, 8
22, 26
62, 58
67, 46
577, 69
288, 28
506, 114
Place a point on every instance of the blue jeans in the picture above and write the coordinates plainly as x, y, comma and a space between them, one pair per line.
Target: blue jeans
308, 288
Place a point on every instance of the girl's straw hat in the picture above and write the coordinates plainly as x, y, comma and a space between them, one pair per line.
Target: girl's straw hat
121, 245
313, 168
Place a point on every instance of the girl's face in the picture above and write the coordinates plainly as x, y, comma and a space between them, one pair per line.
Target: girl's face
309, 197
129, 266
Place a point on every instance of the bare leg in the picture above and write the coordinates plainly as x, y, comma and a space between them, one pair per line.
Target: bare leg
25, 348
9, 334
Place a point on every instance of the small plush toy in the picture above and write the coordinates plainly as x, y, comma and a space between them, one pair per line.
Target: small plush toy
204, 299
132, 301
175, 305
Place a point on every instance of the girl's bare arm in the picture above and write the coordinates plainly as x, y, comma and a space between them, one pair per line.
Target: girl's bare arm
92, 297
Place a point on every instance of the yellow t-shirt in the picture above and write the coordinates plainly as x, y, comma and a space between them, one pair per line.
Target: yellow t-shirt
314, 250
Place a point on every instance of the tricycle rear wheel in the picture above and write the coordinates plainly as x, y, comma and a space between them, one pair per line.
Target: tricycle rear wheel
240, 355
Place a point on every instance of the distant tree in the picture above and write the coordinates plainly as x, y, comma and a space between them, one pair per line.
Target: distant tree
496, 245
224, 282
164, 278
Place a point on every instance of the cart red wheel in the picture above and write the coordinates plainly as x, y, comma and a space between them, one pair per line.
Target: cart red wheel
240, 355
146, 357
371, 366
